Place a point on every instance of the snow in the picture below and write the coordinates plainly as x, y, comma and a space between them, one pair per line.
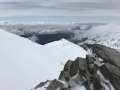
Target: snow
76, 82
24, 64
68, 47
79, 88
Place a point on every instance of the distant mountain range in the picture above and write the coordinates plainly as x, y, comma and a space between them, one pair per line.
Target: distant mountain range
83, 34
43, 33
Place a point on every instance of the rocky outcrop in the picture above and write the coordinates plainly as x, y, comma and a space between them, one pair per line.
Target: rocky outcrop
111, 73
65, 89
86, 72
85, 68
89, 59
65, 73
109, 55
42, 84
55, 84
79, 65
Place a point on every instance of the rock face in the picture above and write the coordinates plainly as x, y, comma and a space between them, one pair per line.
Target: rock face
79, 65
107, 54
111, 73
84, 68
65, 73
86, 72
42, 84
111, 68
55, 84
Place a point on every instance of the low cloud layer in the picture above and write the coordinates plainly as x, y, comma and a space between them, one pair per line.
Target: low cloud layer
103, 30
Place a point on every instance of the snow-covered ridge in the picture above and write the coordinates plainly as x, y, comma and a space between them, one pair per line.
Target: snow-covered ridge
23, 64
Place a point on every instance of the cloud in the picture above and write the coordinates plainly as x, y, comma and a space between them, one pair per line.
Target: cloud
103, 30
59, 8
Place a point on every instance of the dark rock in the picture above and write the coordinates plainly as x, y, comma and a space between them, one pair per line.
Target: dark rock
65, 89
67, 65
95, 68
65, 73
89, 59
55, 84
96, 82
78, 65
41, 84
91, 76
112, 73
107, 54
90, 68
87, 76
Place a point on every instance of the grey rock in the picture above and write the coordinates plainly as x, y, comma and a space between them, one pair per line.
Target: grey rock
90, 68
78, 65
87, 76
91, 76
65, 89
41, 84
96, 82
65, 73
107, 54
89, 59
54, 85
112, 73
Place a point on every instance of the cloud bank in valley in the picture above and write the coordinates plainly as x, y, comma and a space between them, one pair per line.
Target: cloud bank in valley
103, 30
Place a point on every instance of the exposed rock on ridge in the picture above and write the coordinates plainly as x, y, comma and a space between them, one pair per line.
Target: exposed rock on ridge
107, 54
85, 72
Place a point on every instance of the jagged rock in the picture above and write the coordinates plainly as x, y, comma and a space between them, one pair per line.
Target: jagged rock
68, 64
65, 73
87, 76
112, 73
107, 54
42, 84
89, 59
96, 82
54, 85
78, 65
90, 68
92, 77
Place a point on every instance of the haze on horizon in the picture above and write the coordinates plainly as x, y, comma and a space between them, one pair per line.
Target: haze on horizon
60, 11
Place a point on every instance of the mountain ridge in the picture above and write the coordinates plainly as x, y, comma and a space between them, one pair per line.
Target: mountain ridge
25, 63
87, 74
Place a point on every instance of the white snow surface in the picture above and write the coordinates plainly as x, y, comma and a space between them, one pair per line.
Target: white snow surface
24, 64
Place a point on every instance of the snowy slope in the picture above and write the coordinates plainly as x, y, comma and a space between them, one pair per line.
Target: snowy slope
23, 64
70, 50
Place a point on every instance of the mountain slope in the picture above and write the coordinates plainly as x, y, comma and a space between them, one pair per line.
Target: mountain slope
23, 64
99, 71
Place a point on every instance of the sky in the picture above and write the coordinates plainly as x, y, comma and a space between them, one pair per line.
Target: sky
60, 10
